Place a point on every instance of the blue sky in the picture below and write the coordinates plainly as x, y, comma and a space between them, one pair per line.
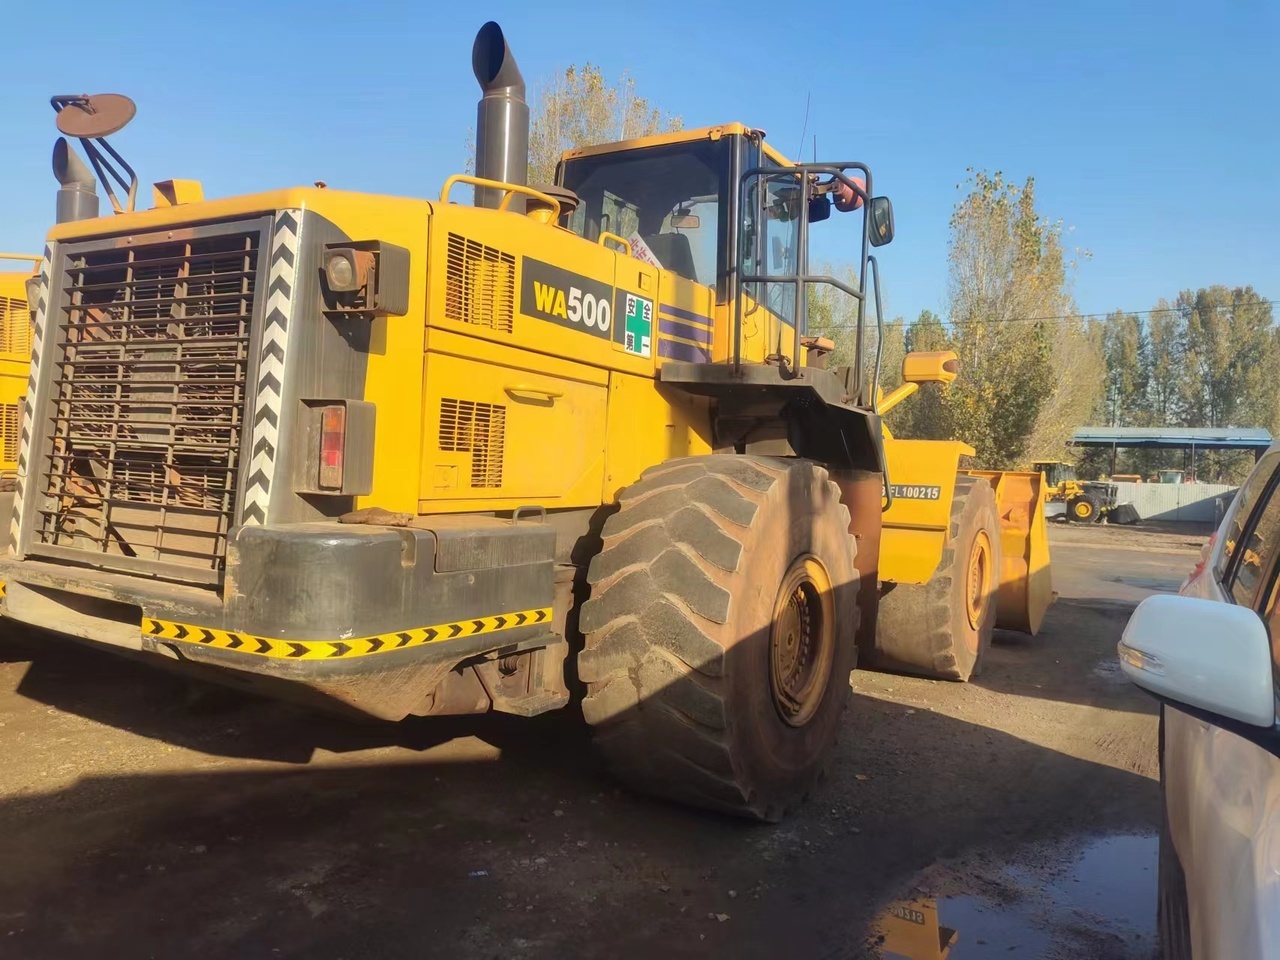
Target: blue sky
1151, 128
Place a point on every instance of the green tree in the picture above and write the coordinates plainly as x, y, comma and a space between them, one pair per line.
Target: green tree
1008, 293
578, 108
924, 416
1124, 349
1231, 353
1165, 365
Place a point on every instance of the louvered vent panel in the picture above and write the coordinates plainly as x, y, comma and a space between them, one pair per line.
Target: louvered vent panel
15, 327
468, 426
9, 419
480, 285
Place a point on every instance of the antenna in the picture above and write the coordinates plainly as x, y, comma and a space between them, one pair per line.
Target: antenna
91, 119
805, 128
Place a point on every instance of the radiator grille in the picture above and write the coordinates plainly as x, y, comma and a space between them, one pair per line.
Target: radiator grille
148, 401
467, 426
15, 327
10, 418
480, 285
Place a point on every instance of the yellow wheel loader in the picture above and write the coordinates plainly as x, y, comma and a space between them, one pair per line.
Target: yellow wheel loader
15, 359
1084, 501
417, 457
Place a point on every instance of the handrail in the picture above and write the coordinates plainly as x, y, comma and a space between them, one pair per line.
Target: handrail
874, 267
804, 172
511, 190
614, 238
20, 256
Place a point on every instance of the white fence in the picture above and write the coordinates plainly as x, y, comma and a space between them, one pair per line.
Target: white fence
1198, 502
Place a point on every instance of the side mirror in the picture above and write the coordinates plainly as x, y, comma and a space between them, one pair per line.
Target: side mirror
881, 213
819, 209
1209, 655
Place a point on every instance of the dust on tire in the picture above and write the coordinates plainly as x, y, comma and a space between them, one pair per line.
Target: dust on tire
677, 657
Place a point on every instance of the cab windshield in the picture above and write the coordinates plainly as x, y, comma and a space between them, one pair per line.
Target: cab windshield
667, 202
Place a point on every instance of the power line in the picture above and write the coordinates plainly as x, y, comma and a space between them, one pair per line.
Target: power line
1092, 316
1063, 318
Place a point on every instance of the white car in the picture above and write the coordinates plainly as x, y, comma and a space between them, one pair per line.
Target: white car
1212, 656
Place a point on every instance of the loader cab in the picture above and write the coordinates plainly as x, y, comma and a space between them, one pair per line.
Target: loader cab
1055, 472
721, 208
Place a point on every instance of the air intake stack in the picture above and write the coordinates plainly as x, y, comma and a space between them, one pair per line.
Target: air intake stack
502, 117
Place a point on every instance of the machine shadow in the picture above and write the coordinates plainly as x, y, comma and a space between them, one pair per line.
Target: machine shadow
1072, 659
523, 851
150, 701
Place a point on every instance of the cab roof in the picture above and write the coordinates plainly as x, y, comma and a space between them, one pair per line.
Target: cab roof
680, 136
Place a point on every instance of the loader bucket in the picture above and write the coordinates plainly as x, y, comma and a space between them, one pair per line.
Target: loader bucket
1026, 588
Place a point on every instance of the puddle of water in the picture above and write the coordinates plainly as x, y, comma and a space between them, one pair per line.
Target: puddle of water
1097, 901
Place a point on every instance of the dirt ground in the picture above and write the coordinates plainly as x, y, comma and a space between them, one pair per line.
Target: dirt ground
145, 818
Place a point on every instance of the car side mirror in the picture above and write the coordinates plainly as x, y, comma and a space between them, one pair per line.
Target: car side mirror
819, 209
1205, 654
881, 213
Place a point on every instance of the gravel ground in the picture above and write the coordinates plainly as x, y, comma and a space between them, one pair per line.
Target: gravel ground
147, 818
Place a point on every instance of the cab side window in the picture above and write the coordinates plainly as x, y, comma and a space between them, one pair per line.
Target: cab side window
1252, 539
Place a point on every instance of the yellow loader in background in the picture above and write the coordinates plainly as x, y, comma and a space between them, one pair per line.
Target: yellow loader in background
15, 359
950, 538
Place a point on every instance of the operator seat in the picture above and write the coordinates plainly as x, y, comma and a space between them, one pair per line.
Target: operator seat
674, 253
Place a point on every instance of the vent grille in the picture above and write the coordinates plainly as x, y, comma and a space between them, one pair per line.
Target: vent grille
148, 402
467, 426
480, 285
9, 427
15, 327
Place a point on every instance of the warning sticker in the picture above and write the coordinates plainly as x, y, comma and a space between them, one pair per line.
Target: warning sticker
637, 325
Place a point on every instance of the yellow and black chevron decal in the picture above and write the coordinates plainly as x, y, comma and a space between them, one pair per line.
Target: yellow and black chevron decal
338, 649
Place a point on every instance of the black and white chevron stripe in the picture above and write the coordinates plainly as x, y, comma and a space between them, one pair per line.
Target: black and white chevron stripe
28, 406
281, 284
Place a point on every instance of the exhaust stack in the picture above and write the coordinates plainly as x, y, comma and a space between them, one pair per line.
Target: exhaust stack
78, 195
502, 117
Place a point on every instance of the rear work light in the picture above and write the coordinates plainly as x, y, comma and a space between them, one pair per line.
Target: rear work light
333, 441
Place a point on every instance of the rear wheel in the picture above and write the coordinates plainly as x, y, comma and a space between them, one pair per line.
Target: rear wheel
720, 632
943, 628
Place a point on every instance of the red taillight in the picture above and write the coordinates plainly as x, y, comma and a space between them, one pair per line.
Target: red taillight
333, 439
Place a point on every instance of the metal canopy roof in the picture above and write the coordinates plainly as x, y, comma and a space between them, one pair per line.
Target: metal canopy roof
1174, 438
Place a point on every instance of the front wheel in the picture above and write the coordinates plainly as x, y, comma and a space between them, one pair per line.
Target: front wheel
943, 628
719, 635
1082, 509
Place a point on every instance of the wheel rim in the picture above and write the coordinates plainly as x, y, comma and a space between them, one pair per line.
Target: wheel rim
979, 586
1084, 509
802, 641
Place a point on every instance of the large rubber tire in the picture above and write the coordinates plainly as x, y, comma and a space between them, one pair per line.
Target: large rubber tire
704, 565
942, 629
1083, 509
